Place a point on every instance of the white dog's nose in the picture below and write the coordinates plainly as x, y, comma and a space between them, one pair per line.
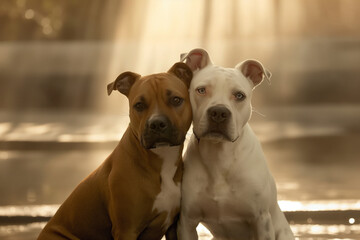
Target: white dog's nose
218, 113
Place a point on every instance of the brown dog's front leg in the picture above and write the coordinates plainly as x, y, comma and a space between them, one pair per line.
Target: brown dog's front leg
171, 233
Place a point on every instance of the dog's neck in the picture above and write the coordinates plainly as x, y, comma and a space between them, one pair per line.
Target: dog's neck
139, 155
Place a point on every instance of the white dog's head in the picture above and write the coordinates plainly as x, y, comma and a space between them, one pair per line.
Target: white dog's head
221, 97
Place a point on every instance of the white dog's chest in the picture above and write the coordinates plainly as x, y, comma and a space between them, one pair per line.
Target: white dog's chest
226, 189
227, 212
226, 201
168, 199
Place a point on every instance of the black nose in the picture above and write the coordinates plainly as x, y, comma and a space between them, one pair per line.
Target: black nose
219, 113
158, 123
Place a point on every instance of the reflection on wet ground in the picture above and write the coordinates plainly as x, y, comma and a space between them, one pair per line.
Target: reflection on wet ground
312, 153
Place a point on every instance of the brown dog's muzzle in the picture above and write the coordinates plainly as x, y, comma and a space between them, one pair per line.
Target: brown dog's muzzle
159, 131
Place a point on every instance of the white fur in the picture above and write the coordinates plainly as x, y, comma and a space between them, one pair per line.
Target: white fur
169, 189
220, 85
227, 185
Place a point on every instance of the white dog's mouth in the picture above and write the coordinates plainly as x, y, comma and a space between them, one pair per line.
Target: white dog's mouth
215, 135
217, 124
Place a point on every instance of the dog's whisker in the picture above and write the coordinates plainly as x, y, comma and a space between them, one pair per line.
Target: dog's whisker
259, 113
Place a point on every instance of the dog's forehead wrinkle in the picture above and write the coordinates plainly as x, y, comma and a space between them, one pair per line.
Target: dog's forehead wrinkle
219, 76
220, 90
151, 85
161, 86
176, 93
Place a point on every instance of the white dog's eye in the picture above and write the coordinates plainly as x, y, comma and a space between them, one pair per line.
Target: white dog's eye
201, 90
239, 96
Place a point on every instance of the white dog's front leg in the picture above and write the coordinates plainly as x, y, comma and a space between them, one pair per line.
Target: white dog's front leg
281, 225
187, 228
264, 227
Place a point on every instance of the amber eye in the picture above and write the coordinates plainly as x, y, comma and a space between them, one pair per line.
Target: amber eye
201, 90
140, 106
176, 101
239, 96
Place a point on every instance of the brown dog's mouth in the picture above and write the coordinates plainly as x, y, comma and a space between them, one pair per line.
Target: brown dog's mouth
160, 132
160, 144
149, 142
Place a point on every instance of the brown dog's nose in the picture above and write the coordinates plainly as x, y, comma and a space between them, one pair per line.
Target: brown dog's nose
158, 123
218, 113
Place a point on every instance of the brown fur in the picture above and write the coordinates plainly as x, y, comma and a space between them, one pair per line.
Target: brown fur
116, 200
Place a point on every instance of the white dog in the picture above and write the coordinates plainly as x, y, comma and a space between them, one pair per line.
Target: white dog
227, 185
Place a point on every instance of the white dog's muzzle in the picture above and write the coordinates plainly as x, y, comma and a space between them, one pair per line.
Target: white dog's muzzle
218, 120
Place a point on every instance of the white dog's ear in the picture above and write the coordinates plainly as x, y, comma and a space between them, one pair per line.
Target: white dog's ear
254, 70
196, 59
123, 83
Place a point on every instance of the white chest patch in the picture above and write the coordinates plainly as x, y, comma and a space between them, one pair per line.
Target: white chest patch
169, 196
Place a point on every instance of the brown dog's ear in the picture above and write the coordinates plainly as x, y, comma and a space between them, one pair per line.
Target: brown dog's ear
123, 83
182, 71
196, 59
254, 70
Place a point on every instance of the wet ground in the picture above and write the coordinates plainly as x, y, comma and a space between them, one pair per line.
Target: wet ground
313, 154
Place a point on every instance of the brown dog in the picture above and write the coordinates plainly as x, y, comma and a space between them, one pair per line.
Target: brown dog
135, 193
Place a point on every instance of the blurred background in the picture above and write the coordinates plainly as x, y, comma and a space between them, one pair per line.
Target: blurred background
57, 123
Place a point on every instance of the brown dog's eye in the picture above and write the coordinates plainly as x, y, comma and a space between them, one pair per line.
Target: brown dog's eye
140, 106
176, 101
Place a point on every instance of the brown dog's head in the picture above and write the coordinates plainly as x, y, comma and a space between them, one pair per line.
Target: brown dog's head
160, 111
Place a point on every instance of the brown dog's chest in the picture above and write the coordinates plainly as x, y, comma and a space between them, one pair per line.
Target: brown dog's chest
152, 197
167, 201
160, 195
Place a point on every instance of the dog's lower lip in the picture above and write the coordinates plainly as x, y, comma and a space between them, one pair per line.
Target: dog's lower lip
162, 144
215, 133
